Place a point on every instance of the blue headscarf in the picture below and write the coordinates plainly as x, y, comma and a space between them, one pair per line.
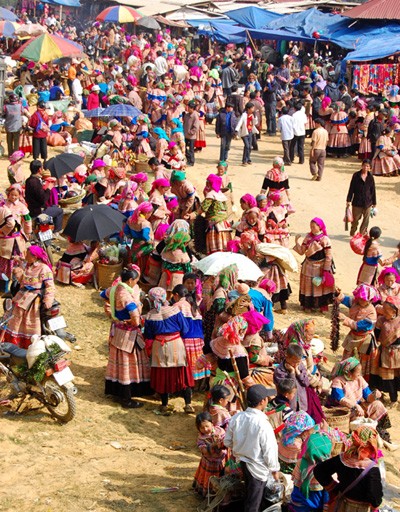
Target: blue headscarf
179, 126
161, 133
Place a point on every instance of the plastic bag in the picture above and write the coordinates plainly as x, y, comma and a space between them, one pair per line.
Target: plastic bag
37, 347
357, 243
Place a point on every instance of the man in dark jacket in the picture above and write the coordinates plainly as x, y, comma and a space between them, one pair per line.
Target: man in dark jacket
376, 127
229, 76
36, 197
270, 97
361, 197
236, 100
225, 129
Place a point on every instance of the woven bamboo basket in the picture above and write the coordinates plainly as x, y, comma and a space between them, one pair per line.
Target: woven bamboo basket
72, 200
338, 417
337, 449
106, 274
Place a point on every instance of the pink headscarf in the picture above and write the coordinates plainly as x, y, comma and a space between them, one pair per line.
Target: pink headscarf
16, 156
250, 200
171, 144
215, 182
140, 177
129, 189
274, 195
161, 182
267, 285
144, 207
321, 225
98, 163
385, 272
40, 254
173, 203
365, 292
326, 102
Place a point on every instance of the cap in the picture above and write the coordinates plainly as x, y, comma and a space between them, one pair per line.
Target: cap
95, 88
192, 104
257, 393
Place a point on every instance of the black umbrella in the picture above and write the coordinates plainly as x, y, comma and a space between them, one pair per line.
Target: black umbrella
94, 222
63, 164
149, 22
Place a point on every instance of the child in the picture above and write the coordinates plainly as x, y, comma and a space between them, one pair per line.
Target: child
372, 256
394, 260
226, 188
14, 170
286, 391
297, 429
216, 406
213, 452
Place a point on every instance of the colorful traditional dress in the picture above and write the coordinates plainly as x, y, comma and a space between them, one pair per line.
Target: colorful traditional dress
386, 161
10, 241
213, 459
219, 230
318, 260
365, 150
163, 331
36, 286
277, 179
290, 443
128, 368
339, 143
141, 233
193, 339
277, 227
386, 376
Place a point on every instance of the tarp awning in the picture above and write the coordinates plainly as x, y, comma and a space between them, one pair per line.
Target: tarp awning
171, 23
377, 48
252, 17
67, 3
222, 30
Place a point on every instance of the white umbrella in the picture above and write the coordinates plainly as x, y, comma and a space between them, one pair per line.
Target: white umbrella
30, 29
211, 265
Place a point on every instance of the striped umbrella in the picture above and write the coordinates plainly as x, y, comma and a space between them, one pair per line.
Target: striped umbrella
48, 47
119, 14
7, 28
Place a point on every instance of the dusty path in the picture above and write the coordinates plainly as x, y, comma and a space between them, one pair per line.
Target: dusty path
50, 468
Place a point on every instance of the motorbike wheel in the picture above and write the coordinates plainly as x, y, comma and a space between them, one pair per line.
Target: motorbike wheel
59, 401
50, 254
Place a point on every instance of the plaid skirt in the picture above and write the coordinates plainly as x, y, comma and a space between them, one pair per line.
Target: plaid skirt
171, 380
127, 367
274, 272
209, 467
194, 350
367, 274
311, 296
217, 240
386, 165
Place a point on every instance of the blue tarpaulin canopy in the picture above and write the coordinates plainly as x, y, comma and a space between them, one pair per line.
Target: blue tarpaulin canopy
377, 48
67, 3
224, 31
252, 17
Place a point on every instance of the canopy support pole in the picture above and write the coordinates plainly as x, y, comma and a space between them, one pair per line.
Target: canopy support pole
251, 41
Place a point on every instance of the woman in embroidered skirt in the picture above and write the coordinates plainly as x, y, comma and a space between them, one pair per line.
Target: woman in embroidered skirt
339, 143
277, 227
386, 376
177, 134
16, 227
194, 338
365, 150
386, 161
277, 179
214, 207
128, 368
36, 288
139, 229
357, 486
316, 279
163, 330
371, 259
225, 281
361, 320
160, 216
249, 245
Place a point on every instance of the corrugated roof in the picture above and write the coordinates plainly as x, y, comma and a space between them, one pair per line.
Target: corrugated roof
376, 10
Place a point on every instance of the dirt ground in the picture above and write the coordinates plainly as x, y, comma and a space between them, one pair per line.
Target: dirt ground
47, 467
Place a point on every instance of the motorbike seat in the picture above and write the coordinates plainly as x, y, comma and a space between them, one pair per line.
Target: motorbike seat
13, 350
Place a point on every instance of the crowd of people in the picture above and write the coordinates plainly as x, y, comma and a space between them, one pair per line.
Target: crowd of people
174, 329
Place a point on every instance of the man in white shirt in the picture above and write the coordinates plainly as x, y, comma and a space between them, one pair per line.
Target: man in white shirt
252, 440
285, 126
77, 90
161, 65
299, 131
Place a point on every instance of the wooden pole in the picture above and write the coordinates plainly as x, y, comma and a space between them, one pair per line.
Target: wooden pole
251, 40
242, 391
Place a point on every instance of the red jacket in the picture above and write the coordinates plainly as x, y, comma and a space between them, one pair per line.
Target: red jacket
37, 121
93, 101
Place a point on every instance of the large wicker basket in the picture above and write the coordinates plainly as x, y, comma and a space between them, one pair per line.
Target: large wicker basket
106, 274
338, 417
72, 200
